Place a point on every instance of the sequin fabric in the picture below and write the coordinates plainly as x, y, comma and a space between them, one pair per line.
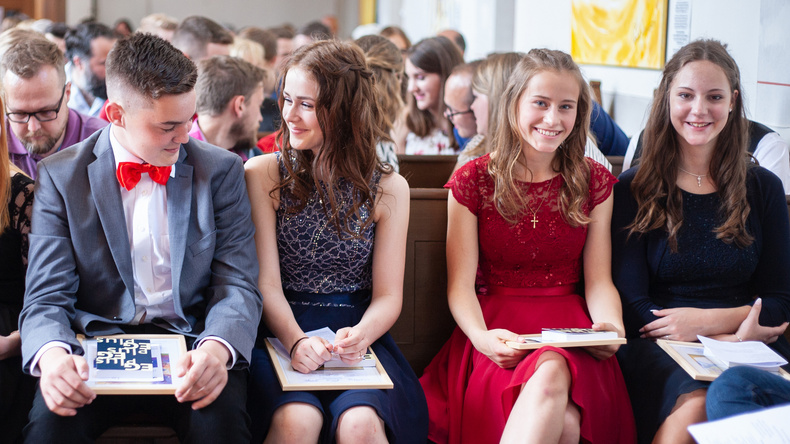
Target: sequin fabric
519, 255
313, 257
704, 267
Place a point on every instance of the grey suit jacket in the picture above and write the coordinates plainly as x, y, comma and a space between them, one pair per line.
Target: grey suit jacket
79, 276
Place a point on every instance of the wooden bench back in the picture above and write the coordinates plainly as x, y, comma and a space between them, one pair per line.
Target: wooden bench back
425, 322
426, 171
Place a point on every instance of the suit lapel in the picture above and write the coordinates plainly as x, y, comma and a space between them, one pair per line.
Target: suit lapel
179, 201
107, 197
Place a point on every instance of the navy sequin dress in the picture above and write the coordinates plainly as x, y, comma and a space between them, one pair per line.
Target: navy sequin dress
327, 281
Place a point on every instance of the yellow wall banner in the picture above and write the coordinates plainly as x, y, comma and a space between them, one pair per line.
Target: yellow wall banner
628, 33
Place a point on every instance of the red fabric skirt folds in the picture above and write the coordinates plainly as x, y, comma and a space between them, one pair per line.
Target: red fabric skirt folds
470, 397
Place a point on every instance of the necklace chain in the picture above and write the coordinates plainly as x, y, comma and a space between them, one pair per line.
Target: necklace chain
698, 176
535, 212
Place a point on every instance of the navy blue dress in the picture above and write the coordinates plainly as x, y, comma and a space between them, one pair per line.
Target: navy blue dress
705, 272
327, 281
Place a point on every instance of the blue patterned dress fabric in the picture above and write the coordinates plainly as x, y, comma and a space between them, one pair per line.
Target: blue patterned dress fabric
327, 280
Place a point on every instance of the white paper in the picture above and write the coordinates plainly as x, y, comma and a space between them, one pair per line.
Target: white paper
678, 26
751, 353
339, 375
764, 426
327, 334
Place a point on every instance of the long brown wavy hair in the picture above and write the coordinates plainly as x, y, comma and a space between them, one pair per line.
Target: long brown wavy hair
568, 160
435, 55
654, 186
386, 62
351, 124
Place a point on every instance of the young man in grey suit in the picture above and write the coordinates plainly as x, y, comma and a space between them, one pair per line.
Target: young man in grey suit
140, 229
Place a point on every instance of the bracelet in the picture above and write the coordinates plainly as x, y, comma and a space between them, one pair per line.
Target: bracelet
293, 347
737, 337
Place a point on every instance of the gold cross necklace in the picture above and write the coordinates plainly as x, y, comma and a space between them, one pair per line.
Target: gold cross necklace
535, 212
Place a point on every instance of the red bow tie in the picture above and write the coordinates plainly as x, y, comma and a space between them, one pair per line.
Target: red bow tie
129, 173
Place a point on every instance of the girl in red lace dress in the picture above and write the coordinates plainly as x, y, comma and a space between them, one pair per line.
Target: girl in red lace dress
532, 216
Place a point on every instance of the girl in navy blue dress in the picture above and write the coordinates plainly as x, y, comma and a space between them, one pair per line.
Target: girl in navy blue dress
319, 208
699, 234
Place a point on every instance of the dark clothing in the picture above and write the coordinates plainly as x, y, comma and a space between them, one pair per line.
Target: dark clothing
705, 273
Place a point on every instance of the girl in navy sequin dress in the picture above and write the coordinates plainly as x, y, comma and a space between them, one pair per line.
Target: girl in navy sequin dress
319, 209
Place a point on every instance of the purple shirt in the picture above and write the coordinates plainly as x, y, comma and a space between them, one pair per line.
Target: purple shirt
78, 128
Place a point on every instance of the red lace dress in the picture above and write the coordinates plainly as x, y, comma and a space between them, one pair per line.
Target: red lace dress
530, 277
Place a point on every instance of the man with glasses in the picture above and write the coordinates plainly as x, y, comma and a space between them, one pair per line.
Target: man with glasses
38, 121
458, 100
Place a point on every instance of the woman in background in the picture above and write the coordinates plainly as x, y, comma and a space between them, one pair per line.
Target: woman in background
489, 80
385, 61
423, 128
698, 232
319, 208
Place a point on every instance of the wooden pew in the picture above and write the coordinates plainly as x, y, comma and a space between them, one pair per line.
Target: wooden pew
425, 322
426, 171
617, 164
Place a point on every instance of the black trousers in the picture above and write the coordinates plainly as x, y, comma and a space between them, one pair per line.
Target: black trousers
224, 420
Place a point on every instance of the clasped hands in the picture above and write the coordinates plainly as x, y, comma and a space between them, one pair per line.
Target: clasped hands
63, 377
492, 343
350, 345
685, 323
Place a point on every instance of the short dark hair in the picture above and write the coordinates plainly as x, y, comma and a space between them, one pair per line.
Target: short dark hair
195, 32
282, 32
265, 38
58, 29
220, 78
78, 40
316, 31
150, 66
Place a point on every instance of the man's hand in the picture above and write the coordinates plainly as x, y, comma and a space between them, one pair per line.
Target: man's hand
206, 374
62, 382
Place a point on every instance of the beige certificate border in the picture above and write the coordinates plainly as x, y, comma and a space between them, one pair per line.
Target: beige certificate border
560, 344
670, 347
385, 383
141, 388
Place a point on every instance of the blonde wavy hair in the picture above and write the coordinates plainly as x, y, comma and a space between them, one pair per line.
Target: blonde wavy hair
507, 141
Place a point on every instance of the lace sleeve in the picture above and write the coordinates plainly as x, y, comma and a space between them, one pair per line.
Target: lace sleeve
21, 210
601, 183
464, 186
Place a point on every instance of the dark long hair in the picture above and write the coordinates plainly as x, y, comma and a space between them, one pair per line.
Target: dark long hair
435, 55
352, 124
654, 187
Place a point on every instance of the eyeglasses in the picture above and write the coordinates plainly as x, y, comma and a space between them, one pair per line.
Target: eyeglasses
449, 113
45, 115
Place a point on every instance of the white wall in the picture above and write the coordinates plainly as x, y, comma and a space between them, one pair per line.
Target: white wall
630, 90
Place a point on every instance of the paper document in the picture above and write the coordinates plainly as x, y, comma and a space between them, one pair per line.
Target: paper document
748, 353
763, 426
575, 334
326, 333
